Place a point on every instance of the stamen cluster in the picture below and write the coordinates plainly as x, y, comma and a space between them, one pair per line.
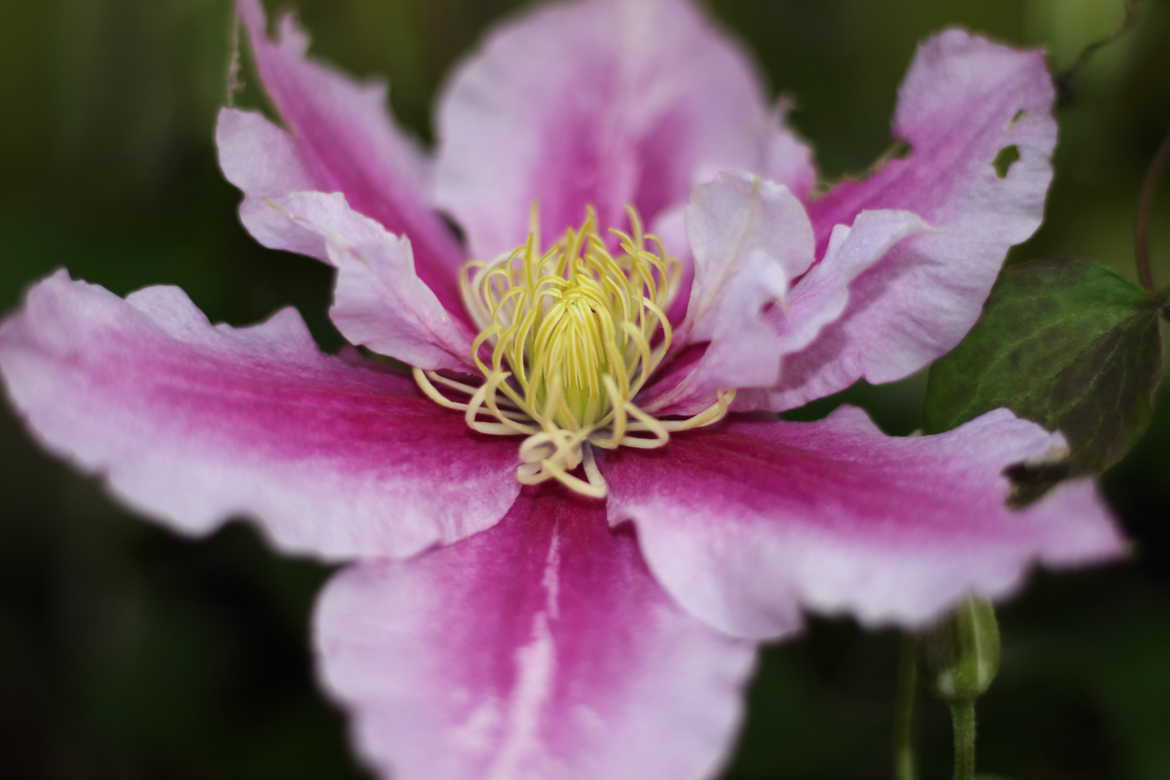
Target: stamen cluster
568, 337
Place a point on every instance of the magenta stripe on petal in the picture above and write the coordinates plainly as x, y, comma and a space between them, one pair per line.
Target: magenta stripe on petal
539, 649
748, 524
193, 423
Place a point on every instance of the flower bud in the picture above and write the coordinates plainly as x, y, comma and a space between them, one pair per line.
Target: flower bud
962, 652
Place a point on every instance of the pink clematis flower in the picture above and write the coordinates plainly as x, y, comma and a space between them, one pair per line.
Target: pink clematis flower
566, 531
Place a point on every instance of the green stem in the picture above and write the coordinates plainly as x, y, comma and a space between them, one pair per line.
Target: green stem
963, 723
904, 765
232, 83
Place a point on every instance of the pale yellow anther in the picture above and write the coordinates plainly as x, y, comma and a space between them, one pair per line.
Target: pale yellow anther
568, 336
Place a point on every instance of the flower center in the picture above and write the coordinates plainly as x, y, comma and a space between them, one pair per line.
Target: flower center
568, 337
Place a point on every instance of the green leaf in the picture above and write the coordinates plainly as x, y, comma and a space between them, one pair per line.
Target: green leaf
1069, 344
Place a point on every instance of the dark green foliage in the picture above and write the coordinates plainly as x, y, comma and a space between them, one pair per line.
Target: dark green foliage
1069, 344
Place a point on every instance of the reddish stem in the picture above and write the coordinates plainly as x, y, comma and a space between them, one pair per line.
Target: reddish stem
1141, 234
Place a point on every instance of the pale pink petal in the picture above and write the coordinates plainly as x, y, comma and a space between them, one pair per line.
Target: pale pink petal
192, 424
602, 102
787, 158
263, 162
750, 239
964, 100
379, 301
819, 299
540, 649
822, 294
341, 139
749, 524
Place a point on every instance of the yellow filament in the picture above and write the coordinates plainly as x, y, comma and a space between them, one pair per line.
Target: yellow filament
567, 338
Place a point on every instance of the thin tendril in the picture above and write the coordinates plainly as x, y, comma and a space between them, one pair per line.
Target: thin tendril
1064, 80
232, 82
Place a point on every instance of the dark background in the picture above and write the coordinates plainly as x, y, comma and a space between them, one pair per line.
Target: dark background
128, 652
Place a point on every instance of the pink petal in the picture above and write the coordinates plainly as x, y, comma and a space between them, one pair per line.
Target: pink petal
602, 102
379, 301
748, 524
821, 297
964, 100
539, 649
342, 140
749, 238
193, 423
787, 159
263, 161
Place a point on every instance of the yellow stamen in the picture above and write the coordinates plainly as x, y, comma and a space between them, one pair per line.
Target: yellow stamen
567, 339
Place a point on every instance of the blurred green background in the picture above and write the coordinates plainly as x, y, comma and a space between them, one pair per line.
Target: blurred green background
130, 653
